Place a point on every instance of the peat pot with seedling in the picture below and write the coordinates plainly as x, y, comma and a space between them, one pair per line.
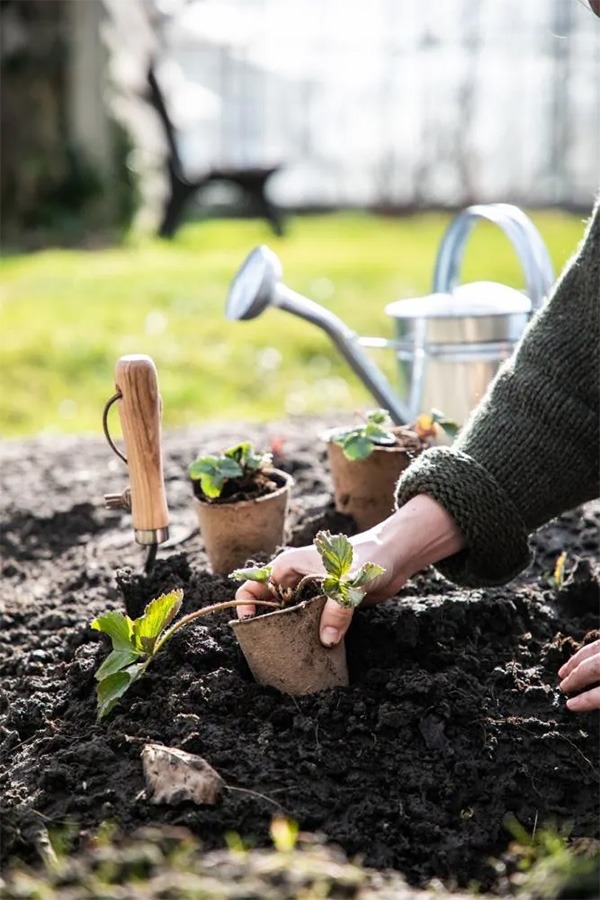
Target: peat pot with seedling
241, 503
366, 462
282, 648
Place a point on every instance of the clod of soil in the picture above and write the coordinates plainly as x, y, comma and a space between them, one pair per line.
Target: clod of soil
453, 719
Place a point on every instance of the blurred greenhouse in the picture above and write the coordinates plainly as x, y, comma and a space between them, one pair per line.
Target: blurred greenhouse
394, 102
391, 105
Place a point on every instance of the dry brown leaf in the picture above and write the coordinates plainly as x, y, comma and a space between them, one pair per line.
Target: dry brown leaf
174, 776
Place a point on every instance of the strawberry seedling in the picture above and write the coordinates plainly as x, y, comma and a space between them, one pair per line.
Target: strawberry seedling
339, 584
135, 643
359, 442
239, 465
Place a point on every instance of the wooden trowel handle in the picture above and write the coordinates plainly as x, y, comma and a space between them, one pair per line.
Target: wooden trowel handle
140, 410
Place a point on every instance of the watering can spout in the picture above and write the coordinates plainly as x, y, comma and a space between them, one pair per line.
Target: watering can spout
258, 285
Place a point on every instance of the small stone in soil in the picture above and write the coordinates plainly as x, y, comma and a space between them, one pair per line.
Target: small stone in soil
174, 776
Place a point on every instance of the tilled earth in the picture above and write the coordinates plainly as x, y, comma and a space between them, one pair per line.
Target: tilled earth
453, 723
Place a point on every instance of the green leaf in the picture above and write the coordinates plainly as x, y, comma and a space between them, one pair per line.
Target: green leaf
343, 592
359, 442
356, 446
245, 456
253, 573
353, 597
332, 587
213, 472
212, 465
115, 661
157, 615
379, 417
366, 573
451, 428
379, 435
239, 452
336, 553
229, 468
212, 485
118, 627
201, 467
113, 687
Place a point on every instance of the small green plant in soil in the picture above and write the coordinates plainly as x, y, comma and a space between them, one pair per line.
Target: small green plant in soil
338, 584
359, 442
135, 642
237, 470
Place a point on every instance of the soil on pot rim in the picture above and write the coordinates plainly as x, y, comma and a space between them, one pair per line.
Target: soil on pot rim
452, 722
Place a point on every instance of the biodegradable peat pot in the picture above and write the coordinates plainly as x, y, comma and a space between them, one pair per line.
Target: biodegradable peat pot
283, 649
235, 531
365, 488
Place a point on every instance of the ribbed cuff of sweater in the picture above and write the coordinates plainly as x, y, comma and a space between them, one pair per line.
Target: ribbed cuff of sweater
495, 535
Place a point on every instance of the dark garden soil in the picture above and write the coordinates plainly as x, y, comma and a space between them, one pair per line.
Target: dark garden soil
453, 721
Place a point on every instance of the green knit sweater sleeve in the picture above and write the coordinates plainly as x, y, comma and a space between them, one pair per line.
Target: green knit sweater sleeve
531, 448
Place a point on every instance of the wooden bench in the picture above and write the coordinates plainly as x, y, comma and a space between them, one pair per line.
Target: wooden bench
252, 180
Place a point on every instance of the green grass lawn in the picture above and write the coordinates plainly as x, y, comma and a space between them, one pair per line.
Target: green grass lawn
68, 315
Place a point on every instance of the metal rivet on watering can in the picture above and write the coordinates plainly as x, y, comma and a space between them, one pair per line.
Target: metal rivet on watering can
449, 344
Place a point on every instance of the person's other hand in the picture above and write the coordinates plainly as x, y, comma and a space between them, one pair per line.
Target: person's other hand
419, 533
579, 672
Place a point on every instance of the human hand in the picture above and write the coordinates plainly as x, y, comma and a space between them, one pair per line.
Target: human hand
291, 566
579, 672
419, 533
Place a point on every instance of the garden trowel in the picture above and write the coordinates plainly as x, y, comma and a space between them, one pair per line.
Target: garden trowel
140, 412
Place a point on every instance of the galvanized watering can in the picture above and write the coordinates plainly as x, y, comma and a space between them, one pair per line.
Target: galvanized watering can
449, 344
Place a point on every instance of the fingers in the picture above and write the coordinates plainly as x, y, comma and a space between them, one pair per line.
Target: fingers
577, 658
585, 702
584, 674
582, 670
251, 591
288, 569
292, 565
335, 621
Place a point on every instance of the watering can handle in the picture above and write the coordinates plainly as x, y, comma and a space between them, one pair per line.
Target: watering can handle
140, 411
523, 235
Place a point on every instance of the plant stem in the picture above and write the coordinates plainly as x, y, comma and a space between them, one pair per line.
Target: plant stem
216, 607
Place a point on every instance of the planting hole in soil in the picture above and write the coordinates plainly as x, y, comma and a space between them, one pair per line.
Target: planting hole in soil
452, 722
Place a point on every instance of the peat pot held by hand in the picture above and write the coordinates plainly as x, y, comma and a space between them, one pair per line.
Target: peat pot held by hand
283, 649
241, 504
